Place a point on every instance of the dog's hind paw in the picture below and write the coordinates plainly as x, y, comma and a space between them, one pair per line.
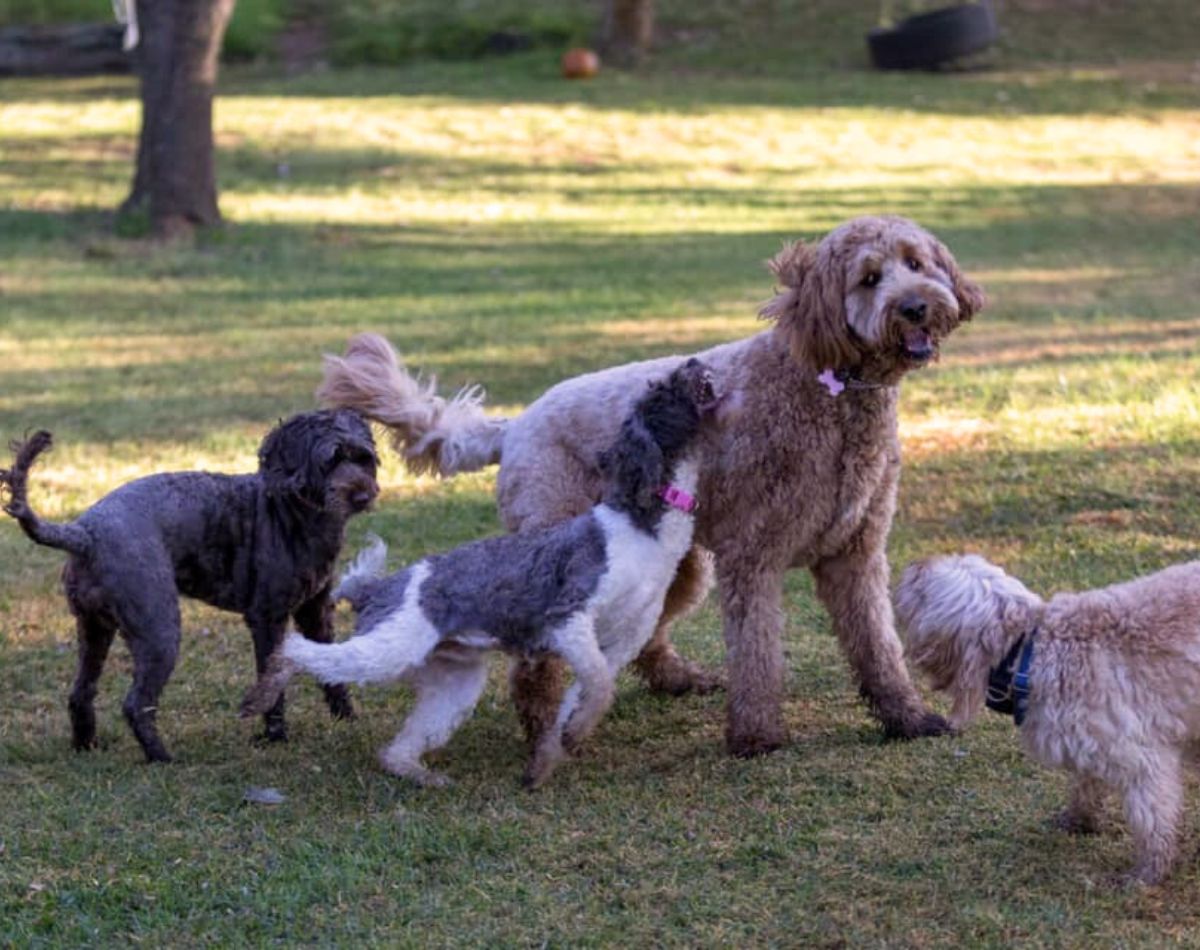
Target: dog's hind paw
675, 676
417, 774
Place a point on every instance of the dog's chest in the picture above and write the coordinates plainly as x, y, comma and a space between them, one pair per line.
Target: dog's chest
640, 568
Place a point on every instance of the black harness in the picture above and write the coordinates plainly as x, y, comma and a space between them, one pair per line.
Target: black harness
1008, 683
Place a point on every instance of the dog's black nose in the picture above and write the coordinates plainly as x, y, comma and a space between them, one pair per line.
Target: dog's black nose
912, 308
361, 500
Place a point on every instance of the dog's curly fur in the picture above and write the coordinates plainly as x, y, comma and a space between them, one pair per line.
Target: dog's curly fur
1114, 683
262, 545
804, 478
588, 589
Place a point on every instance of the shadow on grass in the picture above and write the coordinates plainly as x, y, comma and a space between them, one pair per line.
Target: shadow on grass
1087, 517
168, 344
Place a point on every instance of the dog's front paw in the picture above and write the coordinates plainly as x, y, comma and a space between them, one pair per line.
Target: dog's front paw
270, 736
572, 741
926, 724
749, 746
427, 778
1074, 823
542, 764
339, 702
1138, 878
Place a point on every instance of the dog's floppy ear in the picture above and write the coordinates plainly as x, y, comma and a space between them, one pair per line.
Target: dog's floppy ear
969, 294
811, 307
295, 455
634, 466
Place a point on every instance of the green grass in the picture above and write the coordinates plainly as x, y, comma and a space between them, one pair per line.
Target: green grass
503, 226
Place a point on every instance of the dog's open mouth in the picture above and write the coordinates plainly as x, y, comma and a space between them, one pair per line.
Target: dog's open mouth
919, 345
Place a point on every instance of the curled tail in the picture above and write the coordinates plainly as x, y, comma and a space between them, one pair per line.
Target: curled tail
355, 585
434, 434
65, 537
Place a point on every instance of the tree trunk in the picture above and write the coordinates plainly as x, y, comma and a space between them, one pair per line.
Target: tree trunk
175, 179
628, 30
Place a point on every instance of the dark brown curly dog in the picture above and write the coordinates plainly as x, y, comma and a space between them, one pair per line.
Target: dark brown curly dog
805, 477
262, 545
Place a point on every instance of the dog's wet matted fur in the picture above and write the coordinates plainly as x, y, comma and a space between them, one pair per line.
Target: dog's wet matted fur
262, 545
805, 477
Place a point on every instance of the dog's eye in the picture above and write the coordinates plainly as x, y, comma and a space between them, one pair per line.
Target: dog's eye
871, 279
913, 264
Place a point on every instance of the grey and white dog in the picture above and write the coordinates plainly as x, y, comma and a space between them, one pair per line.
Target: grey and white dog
589, 589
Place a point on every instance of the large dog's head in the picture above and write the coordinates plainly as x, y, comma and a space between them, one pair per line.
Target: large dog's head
959, 616
664, 424
877, 294
325, 459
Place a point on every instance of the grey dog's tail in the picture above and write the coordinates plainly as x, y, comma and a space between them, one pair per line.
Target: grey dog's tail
360, 578
65, 537
434, 434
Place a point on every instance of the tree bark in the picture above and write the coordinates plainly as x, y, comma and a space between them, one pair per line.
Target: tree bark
175, 178
628, 30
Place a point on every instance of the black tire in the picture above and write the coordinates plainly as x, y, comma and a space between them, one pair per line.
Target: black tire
928, 40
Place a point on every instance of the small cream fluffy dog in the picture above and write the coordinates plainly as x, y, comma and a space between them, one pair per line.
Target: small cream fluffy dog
1113, 681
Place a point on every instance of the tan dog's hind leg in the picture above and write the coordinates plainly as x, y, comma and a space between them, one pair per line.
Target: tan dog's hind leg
1153, 802
664, 670
1082, 814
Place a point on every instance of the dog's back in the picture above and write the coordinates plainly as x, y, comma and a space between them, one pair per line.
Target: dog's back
510, 588
1155, 616
208, 526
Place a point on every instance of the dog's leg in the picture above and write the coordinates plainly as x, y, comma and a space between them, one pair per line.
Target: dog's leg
1153, 802
153, 637
1082, 814
751, 602
268, 633
584, 704
594, 685
447, 690
537, 685
95, 633
664, 670
854, 589
314, 619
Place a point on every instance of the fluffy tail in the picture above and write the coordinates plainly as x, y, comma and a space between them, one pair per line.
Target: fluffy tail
356, 584
65, 537
380, 654
432, 433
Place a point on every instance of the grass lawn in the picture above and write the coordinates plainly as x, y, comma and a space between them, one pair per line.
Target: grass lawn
503, 226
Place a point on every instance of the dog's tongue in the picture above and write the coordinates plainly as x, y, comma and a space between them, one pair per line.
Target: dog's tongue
918, 343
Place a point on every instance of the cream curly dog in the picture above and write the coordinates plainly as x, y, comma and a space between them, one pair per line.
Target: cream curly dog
1104, 683
806, 476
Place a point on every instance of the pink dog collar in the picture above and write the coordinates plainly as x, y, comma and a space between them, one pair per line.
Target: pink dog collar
837, 381
828, 378
678, 498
